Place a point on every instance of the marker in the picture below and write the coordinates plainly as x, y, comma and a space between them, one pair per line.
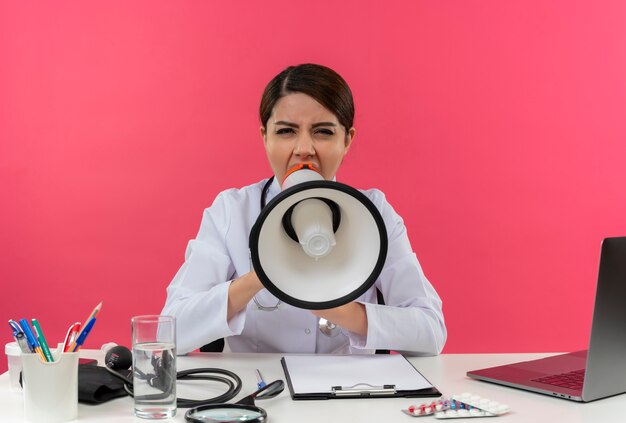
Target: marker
31, 338
261, 383
83, 335
20, 338
42, 341
72, 333
15, 326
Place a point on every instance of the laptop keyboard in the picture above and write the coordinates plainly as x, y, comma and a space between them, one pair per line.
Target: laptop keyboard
571, 380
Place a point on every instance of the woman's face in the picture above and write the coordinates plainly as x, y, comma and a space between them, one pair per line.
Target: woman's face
300, 130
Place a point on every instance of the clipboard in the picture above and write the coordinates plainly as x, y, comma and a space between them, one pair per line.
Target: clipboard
317, 377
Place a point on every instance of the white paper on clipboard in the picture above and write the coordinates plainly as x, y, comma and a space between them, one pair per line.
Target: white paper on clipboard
320, 373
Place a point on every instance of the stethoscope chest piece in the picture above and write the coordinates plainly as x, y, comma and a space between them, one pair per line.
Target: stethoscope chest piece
328, 328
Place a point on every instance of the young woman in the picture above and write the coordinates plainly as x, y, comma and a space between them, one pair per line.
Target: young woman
306, 114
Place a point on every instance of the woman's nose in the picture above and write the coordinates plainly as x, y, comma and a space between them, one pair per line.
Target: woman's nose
304, 146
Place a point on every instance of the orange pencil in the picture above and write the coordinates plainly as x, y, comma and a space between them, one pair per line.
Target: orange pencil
93, 315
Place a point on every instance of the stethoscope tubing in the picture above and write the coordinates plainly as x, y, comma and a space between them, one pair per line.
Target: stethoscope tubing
207, 373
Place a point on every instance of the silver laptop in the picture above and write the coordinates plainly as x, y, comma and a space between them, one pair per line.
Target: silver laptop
586, 375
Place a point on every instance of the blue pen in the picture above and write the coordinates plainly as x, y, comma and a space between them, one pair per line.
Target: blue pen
83, 334
261, 383
31, 338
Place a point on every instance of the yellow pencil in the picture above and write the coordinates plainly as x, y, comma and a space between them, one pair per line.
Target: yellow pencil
43, 357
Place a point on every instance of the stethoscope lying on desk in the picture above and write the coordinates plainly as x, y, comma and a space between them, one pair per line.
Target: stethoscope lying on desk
211, 410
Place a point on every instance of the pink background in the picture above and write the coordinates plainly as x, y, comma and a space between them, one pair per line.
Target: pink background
496, 129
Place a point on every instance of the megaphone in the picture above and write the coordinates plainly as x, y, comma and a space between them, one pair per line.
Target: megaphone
318, 244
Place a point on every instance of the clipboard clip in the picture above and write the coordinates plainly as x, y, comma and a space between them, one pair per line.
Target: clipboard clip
364, 390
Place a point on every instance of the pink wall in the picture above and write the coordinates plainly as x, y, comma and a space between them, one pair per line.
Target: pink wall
495, 128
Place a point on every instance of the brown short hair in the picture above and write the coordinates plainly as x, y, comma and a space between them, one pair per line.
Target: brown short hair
323, 84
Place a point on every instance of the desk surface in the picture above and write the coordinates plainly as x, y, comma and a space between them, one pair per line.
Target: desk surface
446, 372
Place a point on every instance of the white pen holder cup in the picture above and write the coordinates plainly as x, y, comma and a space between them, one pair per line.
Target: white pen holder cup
50, 389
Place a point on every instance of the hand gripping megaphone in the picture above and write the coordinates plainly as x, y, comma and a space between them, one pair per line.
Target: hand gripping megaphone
318, 244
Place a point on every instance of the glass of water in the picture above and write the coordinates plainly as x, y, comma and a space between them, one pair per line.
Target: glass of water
154, 366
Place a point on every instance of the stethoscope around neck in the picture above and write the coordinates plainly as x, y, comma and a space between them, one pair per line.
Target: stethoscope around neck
326, 327
266, 188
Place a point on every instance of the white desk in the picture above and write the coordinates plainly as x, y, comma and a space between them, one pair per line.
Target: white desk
446, 372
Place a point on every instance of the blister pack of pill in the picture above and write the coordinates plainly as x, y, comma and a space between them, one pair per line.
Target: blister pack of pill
465, 405
468, 405
427, 408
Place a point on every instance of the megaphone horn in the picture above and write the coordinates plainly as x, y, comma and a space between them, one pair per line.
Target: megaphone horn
318, 244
